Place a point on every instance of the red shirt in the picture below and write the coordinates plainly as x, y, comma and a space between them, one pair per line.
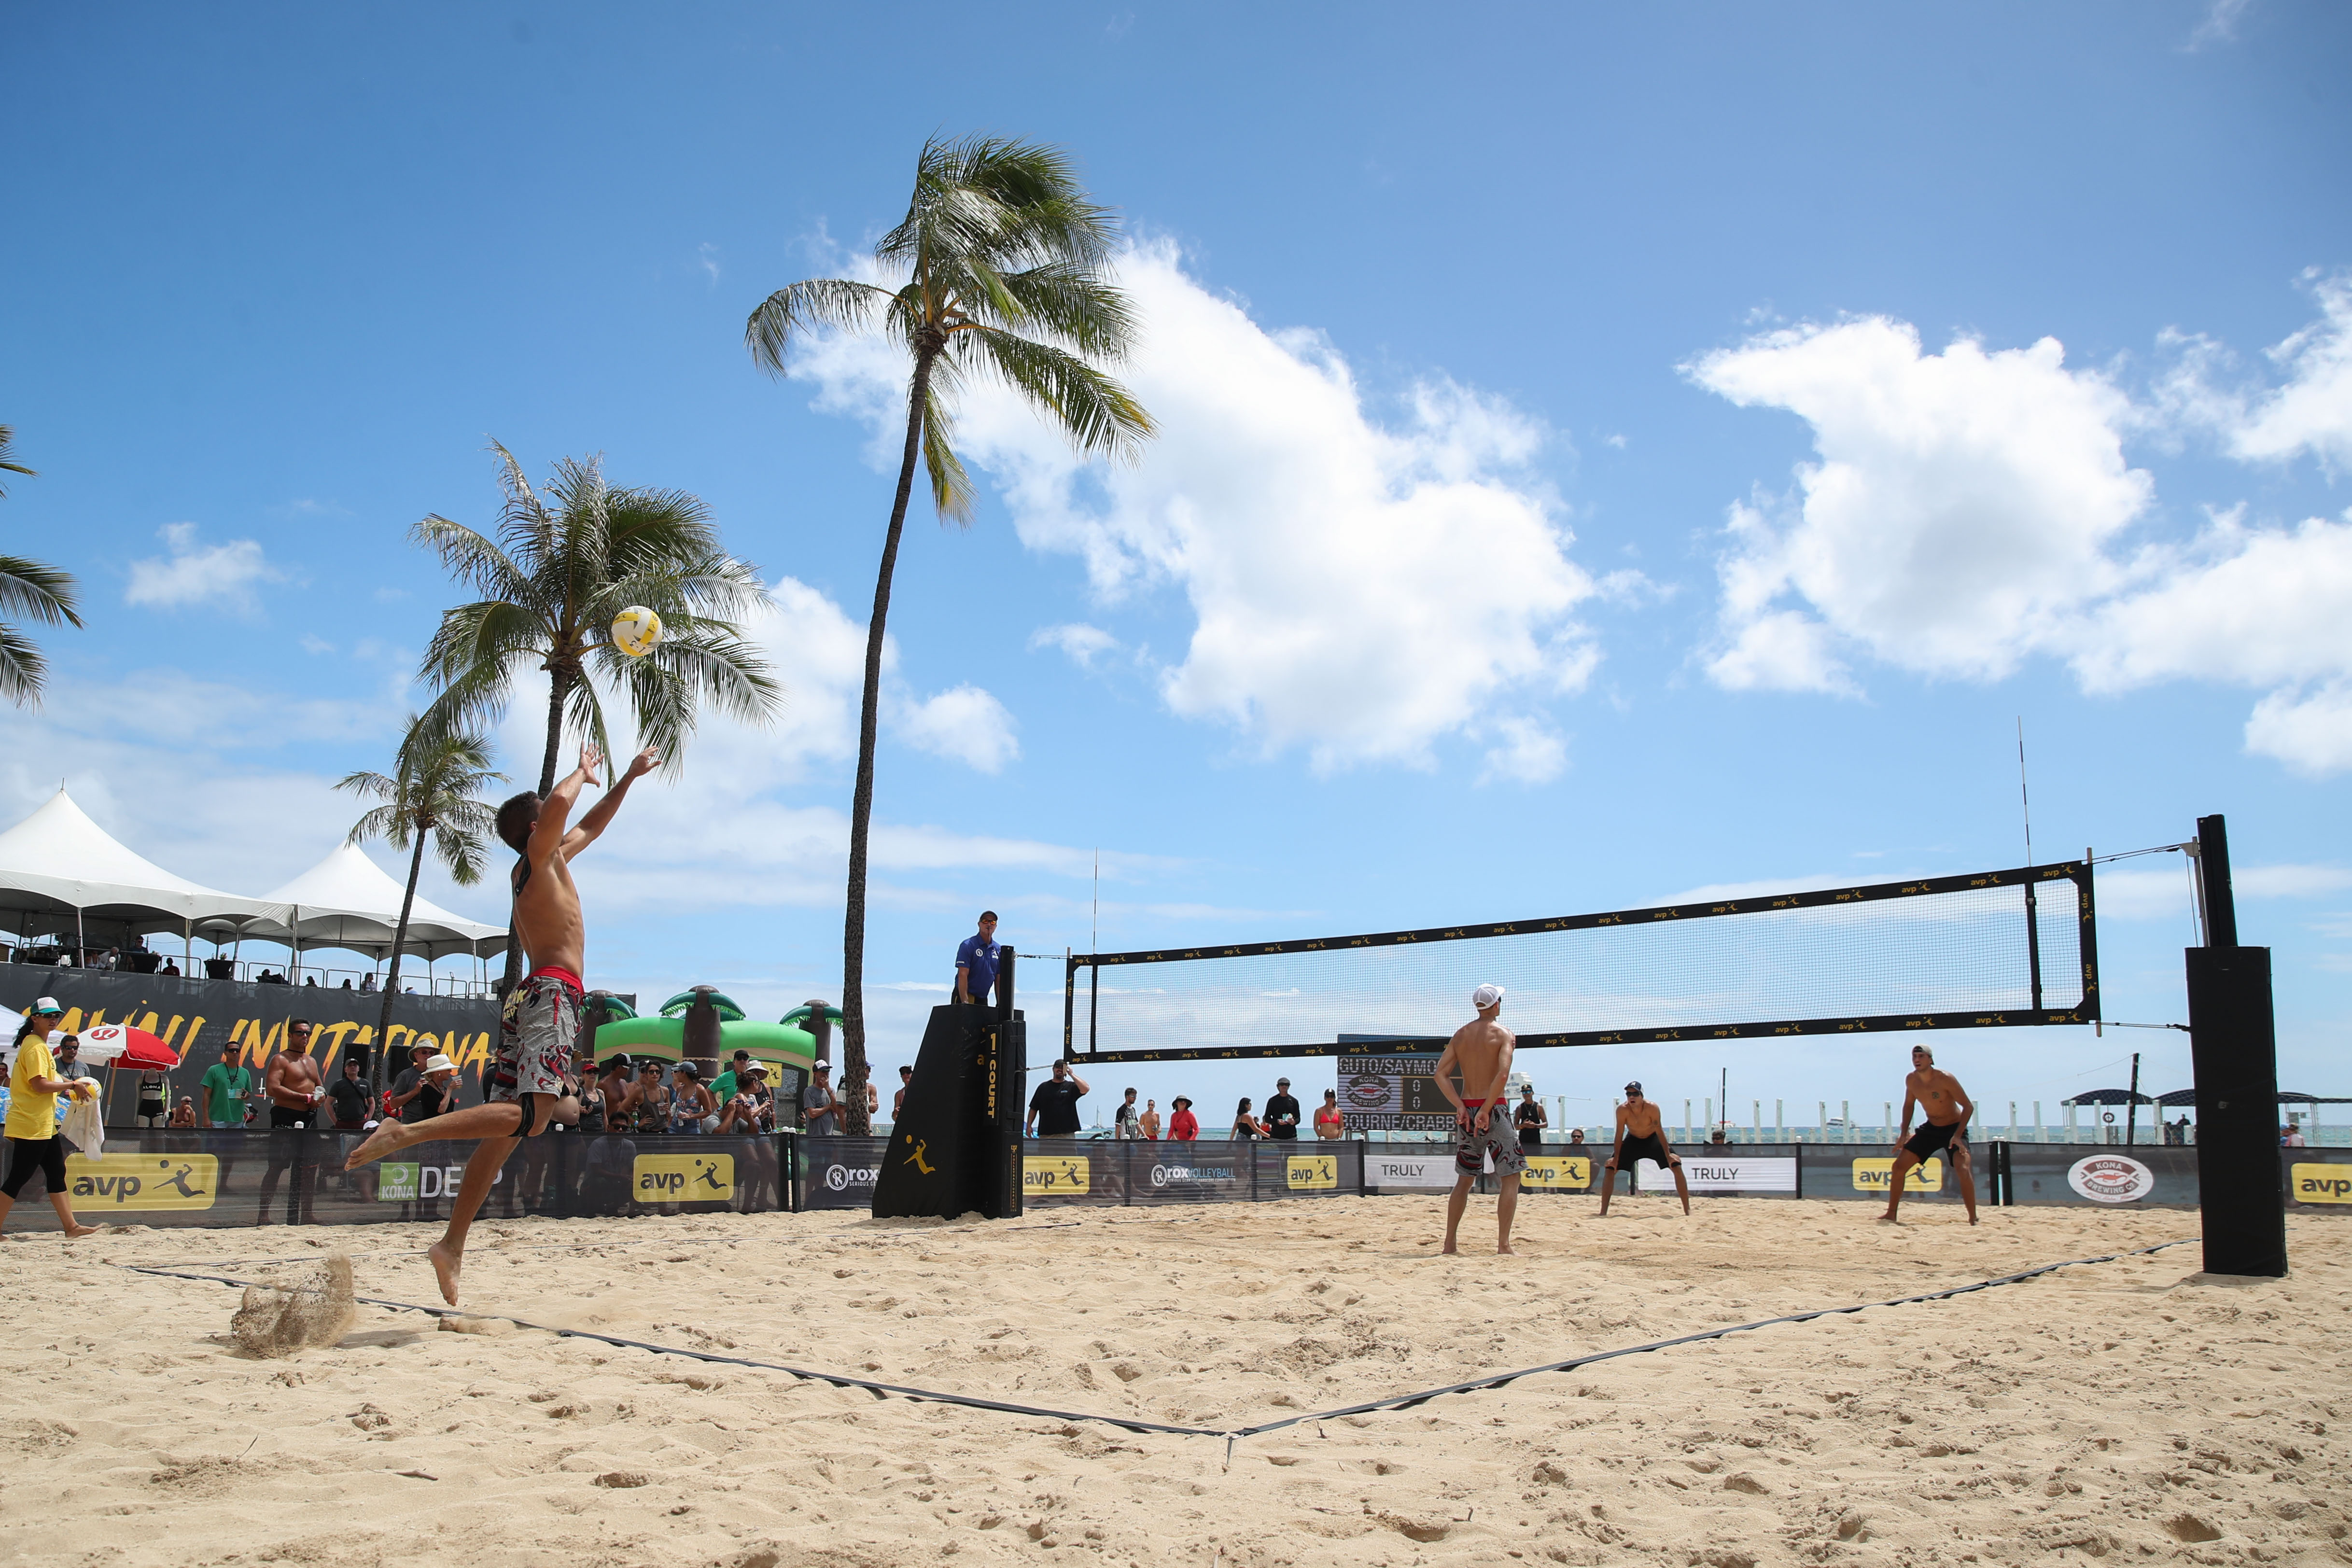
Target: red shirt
1183, 1127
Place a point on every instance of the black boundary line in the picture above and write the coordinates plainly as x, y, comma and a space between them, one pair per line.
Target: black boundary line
1399, 1402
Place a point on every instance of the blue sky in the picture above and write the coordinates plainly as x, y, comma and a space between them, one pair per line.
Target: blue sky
1607, 454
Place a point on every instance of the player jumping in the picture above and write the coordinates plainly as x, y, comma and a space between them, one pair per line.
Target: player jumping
539, 1033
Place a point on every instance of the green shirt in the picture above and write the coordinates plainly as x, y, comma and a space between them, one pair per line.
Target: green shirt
723, 1086
225, 1090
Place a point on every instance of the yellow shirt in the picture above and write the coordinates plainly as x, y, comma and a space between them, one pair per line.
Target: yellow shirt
32, 1113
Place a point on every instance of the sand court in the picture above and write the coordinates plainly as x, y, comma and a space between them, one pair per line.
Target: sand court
2122, 1409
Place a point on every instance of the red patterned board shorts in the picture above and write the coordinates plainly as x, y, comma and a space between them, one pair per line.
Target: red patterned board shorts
538, 1032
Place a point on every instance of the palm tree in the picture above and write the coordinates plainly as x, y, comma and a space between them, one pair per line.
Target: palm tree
560, 567
431, 797
1004, 260
29, 588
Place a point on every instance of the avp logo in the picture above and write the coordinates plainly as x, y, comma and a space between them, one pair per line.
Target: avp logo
142, 1182
2320, 1183
841, 1178
2111, 1179
1312, 1173
1573, 1171
1878, 1176
1054, 1175
684, 1178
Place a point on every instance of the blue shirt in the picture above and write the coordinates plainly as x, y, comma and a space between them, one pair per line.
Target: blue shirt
978, 955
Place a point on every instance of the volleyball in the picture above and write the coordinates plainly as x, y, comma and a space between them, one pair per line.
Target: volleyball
636, 630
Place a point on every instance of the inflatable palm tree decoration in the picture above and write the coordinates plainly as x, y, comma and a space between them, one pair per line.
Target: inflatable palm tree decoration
431, 797
1001, 260
30, 589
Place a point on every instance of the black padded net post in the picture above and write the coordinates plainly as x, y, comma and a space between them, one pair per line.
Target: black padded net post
1991, 950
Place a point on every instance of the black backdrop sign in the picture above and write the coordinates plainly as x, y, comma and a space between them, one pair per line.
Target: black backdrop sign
197, 1018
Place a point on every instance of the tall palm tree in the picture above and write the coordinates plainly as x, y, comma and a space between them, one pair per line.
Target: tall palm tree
560, 567
29, 588
431, 795
1004, 257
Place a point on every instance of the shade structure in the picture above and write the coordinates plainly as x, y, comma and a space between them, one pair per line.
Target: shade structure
346, 901
2110, 1097
57, 868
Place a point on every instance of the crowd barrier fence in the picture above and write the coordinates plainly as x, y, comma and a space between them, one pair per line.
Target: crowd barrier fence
226, 1178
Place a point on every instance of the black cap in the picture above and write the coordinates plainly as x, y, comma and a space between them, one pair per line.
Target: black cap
1634, 1087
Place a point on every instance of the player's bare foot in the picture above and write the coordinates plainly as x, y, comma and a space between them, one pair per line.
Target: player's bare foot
76, 1232
1505, 1251
389, 1137
1888, 1219
446, 1261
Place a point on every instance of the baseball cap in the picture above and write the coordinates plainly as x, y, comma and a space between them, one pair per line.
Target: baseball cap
755, 1068
1485, 997
46, 1007
820, 1064
1282, 1083
1634, 1087
689, 1070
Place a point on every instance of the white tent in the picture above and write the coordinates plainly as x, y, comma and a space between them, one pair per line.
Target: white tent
347, 901
58, 863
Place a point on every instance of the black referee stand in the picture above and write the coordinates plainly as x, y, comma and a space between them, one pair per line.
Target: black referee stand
2233, 1048
955, 1147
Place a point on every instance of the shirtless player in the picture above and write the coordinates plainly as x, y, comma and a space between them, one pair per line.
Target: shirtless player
539, 1032
291, 1081
1641, 1135
1481, 1049
1938, 1095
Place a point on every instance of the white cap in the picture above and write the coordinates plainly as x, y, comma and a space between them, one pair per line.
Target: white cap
1485, 997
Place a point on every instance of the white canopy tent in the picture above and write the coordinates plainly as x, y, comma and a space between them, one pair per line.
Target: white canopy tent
61, 872
346, 901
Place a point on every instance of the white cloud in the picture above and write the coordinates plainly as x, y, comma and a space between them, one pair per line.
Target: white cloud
1080, 641
1528, 751
1361, 589
2313, 411
2219, 24
2290, 881
2164, 893
219, 576
965, 724
1970, 509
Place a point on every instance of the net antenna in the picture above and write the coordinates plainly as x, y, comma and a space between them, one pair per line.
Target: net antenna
1985, 949
2032, 913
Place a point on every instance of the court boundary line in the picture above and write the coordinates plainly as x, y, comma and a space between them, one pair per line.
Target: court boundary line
1130, 1423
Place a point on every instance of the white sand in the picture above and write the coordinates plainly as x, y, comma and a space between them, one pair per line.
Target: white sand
2127, 1410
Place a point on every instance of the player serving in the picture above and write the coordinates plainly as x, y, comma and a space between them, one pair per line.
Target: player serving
1641, 1135
1948, 1109
1481, 1051
529, 1086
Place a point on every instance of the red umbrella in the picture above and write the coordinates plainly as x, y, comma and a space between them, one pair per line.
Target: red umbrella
120, 1046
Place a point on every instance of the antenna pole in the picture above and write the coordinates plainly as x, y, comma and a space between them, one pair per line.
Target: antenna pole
2024, 801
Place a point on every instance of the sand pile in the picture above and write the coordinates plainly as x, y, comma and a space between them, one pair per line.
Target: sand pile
292, 1312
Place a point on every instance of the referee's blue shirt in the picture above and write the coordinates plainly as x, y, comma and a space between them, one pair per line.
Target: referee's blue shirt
977, 956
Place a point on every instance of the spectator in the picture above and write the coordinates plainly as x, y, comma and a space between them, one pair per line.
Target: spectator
1717, 1140
651, 1105
1054, 1108
185, 1113
1128, 1122
820, 1111
1282, 1113
591, 1105
347, 985
34, 1143
751, 1108
1576, 1137
225, 1087
1245, 1126
2290, 1135
172, 970
436, 1090
367, 981
976, 961
408, 1085
1330, 1122
899, 1100
723, 1087
348, 1095
1150, 1120
1529, 1116
152, 1087
617, 1089
1183, 1127
691, 1107
69, 1060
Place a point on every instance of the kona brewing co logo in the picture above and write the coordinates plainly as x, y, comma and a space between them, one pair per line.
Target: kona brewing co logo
1163, 1174
2111, 1179
840, 1178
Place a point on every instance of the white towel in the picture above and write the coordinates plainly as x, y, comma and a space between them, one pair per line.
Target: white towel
84, 1127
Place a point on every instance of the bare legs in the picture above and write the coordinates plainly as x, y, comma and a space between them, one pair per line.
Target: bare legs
1506, 1206
1904, 1161
496, 1125
1609, 1185
74, 1228
448, 1254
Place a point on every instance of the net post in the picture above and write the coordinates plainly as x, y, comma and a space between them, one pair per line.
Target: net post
1069, 1001
2233, 1050
2033, 938
2087, 909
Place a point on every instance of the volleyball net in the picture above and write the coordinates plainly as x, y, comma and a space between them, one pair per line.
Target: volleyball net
1990, 950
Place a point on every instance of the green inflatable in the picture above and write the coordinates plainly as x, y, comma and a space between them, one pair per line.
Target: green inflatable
664, 1037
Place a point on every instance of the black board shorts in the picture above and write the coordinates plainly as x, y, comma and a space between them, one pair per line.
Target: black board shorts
1648, 1147
1932, 1140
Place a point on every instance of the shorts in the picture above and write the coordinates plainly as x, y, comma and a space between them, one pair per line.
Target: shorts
1932, 1140
26, 1155
1501, 1139
1649, 1146
283, 1116
538, 1033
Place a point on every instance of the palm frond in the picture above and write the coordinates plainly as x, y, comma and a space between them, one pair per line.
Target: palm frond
8, 457
1095, 413
24, 673
489, 634
31, 588
952, 492
473, 560
388, 821
782, 318
1072, 305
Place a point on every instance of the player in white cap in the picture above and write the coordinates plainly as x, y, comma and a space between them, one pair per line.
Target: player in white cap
1480, 1051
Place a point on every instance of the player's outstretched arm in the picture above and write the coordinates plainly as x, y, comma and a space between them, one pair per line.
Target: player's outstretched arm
594, 824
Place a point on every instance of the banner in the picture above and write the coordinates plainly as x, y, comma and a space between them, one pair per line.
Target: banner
1726, 1175
840, 1173
2104, 1176
1393, 1094
2319, 1177
1387, 1173
1557, 1173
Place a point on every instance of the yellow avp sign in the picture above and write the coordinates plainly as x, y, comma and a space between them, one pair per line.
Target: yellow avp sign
1312, 1173
142, 1183
1560, 1172
1056, 1176
683, 1178
1878, 1175
2317, 1183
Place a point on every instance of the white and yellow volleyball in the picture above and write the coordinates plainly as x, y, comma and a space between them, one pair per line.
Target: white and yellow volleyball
636, 630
